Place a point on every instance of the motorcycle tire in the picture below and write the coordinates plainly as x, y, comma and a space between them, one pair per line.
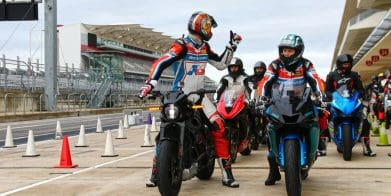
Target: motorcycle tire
292, 167
246, 151
347, 142
206, 168
169, 173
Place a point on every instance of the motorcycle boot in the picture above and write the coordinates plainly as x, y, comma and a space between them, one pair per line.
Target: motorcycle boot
322, 147
367, 151
152, 181
274, 173
226, 173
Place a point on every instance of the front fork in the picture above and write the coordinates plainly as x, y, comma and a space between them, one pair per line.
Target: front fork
337, 136
164, 135
308, 148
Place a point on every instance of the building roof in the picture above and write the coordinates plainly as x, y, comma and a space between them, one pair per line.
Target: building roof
133, 35
364, 30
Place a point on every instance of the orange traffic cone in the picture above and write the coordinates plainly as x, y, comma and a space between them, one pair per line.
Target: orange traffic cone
66, 159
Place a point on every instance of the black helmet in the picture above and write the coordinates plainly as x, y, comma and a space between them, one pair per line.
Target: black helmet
374, 78
235, 62
259, 64
291, 41
342, 59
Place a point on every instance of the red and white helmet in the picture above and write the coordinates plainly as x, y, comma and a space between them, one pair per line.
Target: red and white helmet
201, 23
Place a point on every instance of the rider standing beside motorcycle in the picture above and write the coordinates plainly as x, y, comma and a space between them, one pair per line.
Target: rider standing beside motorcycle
291, 68
344, 76
191, 55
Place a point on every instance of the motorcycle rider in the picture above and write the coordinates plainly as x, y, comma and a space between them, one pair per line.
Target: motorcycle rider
387, 96
344, 76
289, 69
259, 72
375, 93
191, 55
238, 81
324, 131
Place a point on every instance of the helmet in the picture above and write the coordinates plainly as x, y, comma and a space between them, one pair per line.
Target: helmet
235, 62
343, 59
381, 75
291, 41
374, 78
259, 64
388, 74
201, 24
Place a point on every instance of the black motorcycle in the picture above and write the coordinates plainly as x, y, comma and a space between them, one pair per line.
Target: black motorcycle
185, 146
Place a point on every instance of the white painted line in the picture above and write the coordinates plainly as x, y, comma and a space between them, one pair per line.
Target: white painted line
73, 173
62, 132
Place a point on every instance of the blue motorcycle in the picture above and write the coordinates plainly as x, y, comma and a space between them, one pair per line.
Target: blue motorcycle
346, 111
294, 137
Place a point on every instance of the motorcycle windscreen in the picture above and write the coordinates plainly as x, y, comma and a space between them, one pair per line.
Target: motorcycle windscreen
345, 100
289, 102
231, 104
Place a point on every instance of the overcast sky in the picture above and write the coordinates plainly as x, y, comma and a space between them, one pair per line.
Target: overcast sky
260, 22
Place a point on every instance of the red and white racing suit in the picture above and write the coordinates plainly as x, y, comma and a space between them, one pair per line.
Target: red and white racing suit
189, 59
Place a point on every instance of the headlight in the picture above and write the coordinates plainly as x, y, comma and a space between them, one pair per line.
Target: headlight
171, 112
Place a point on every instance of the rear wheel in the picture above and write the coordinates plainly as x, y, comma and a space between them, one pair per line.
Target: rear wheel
292, 167
169, 173
347, 142
246, 151
206, 169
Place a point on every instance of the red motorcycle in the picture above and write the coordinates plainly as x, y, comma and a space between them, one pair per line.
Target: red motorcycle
233, 109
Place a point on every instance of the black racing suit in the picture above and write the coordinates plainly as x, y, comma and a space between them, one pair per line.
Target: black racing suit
352, 80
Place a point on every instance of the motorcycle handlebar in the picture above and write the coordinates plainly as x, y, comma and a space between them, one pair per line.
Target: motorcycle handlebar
201, 92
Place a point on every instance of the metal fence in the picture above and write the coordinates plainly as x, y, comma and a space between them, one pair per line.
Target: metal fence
22, 88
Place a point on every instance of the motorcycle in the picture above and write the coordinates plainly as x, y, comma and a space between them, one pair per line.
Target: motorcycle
185, 146
258, 134
345, 108
293, 141
232, 108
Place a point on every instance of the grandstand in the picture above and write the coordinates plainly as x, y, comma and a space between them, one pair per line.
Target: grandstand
365, 33
97, 63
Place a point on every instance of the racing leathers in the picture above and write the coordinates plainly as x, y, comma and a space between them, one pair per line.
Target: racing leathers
295, 77
189, 58
238, 84
352, 80
375, 92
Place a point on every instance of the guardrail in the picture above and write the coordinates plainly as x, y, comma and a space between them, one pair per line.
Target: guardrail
34, 103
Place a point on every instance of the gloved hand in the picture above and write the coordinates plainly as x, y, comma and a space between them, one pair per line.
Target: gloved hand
234, 40
260, 106
265, 99
317, 99
146, 89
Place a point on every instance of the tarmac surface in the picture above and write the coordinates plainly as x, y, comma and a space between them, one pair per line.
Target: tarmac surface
126, 174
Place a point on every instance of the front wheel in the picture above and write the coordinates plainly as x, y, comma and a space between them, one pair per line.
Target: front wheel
292, 167
169, 173
347, 142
